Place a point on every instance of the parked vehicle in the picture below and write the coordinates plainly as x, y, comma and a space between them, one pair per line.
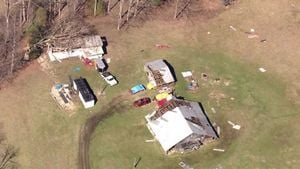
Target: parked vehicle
141, 102
109, 78
137, 88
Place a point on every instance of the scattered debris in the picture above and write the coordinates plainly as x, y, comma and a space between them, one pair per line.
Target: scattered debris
252, 30
208, 33
217, 81
204, 76
184, 165
237, 127
234, 126
162, 46
150, 141
62, 94
188, 76
108, 60
76, 69
251, 36
227, 82
213, 110
219, 166
219, 150
263, 40
232, 98
262, 69
233, 28
231, 123
218, 130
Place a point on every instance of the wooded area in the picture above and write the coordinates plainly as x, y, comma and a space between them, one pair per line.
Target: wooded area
29, 24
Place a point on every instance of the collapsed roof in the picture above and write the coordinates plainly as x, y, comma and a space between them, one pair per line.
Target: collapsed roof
159, 72
176, 120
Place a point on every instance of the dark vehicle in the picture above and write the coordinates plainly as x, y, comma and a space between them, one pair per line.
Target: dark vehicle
141, 102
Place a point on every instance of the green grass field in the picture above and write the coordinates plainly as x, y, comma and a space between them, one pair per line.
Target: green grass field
264, 103
268, 119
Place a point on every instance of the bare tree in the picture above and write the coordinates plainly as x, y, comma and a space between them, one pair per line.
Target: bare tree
108, 6
129, 9
136, 8
7, 14
13, 53
176, 9
120, 14
7, 155
95, 7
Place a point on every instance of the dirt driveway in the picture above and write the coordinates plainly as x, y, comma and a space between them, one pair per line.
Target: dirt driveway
117, 104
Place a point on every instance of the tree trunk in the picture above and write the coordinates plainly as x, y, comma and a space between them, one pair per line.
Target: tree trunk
176, 9
13, 53
7, 13
24, 16
136, 8
95, 7
108, 6
120, 14
129, 9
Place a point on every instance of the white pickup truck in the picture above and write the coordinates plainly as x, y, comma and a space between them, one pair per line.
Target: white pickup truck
109, 78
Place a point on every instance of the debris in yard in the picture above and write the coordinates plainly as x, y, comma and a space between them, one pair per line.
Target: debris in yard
252, 30
188, 76
226, 82
217, 81
251, 36
219, 150
218, 130
232, 98
76, 69
61, 93
150, 141
233, 28
108, 60
237, 127
204, 76
184, 165
234, 126
263, 40
162, 46
208, 33
231, 123
262, 69
213, 110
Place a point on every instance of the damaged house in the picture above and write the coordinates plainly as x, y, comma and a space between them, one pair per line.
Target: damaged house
158, 73
180, 126
90, 47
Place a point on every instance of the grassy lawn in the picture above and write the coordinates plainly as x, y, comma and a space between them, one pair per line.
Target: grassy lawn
264, 103
268, 119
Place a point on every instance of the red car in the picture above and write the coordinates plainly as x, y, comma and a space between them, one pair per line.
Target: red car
141, 102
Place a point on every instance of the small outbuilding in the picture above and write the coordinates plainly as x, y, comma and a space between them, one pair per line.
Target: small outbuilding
90, 47
180, 125
85, 93
158, 73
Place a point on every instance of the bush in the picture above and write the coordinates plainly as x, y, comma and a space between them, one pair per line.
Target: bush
101, 6
36, 31
156, 2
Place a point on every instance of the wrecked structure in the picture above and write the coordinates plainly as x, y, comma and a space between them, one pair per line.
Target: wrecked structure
159, 74
90, 47
180, 126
